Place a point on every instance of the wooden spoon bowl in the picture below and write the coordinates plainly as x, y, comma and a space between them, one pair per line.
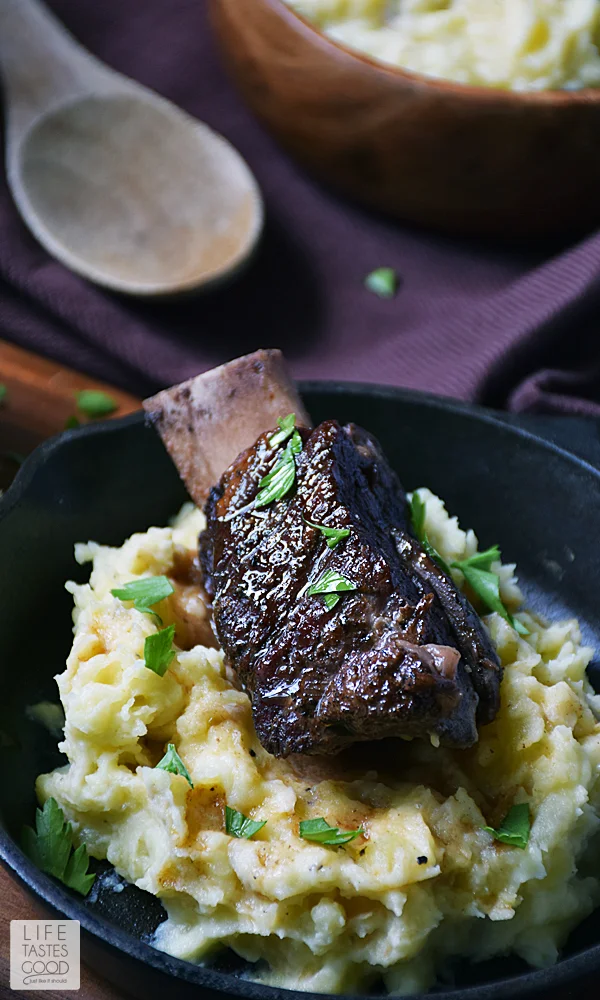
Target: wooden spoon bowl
113, 180
467, 160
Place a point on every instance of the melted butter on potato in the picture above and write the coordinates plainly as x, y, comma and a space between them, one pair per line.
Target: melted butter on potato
423, 882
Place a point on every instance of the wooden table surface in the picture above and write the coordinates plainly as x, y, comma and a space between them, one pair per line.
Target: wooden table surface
40, 398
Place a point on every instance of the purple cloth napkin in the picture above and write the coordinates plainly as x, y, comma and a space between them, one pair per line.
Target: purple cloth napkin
507, 326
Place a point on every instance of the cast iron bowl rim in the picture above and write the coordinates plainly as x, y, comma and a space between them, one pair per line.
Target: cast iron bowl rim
56, 898
559, 97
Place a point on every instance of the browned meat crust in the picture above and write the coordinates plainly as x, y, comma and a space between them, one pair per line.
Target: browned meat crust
402, 655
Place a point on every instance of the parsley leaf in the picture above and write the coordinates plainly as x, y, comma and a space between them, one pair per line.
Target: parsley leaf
486, 585
476, 569
286, 428
3, 393
383, 282
417, 516
333, 535
282, 476
158, 650
514, 828
72, 422
321, 832
145, 593
76, 873
483, 560
239, 825
50, 847
330, 584
95, 403
173, 763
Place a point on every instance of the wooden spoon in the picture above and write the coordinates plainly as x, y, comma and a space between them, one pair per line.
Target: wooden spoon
113, 180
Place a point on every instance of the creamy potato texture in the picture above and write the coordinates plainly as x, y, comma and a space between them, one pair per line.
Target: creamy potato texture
424, 882
514, 44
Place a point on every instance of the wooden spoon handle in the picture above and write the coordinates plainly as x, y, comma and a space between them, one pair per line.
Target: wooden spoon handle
41, 63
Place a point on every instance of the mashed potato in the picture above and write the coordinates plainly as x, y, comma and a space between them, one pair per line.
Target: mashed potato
515, 44
425, 882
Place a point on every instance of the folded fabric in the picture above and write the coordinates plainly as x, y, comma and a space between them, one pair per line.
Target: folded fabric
508, 326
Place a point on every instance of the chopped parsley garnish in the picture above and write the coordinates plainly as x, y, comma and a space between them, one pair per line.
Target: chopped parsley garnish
173, 763
383, 282
330, 584
145, 593
72, 422
417, 516
286, 429
321, 832
158, 650
50, 847
476, 569
482, 560
3, 392
486, 584
95, 403
282, 476
239, 825
333, 535
514, 828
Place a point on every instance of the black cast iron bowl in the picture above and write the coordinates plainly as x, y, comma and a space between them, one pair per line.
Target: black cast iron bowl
502, 476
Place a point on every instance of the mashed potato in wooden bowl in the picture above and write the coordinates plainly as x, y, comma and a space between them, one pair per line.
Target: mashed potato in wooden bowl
514, 44
424, 880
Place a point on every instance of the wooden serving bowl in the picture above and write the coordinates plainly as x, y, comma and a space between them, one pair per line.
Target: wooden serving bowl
467, 160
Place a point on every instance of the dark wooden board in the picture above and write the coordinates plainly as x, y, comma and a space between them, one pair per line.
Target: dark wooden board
40, 398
